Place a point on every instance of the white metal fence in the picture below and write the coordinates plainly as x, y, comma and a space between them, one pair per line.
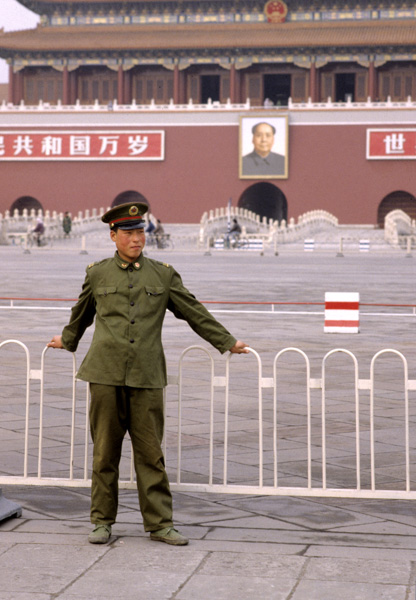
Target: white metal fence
221, 423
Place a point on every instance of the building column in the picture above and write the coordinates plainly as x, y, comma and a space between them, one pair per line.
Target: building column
183, 87
73, 86
233, 84
372, 81
65, 86
176, 85
127, 87
312, 83
120, 85
18, 87
11, 86
179, 86
235, 87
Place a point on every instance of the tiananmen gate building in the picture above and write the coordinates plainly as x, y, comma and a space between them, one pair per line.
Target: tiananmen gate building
170, 97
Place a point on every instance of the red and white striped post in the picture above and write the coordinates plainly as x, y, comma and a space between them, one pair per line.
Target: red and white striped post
342, 312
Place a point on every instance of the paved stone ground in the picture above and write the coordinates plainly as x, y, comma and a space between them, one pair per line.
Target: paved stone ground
243, 547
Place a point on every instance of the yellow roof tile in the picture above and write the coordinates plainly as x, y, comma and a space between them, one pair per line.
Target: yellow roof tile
226, 36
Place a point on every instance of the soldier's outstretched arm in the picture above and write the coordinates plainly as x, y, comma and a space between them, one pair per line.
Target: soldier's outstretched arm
239, 348
56, 342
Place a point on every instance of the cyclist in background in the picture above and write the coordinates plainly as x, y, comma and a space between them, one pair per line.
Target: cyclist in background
38, 231
159, 232
234, 233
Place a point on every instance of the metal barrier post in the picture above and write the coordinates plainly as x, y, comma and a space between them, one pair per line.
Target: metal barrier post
340, 252
26, 250
83, 250
207, 251
407, 385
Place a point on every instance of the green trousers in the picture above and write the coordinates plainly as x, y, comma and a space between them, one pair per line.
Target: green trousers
115, 410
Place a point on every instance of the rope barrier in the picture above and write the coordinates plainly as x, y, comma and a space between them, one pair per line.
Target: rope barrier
225, 302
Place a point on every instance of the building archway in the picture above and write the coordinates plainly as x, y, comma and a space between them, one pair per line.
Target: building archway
266, 200
396, 200
26, 202
129, 196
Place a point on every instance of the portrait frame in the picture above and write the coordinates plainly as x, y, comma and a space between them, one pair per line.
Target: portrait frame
248, 168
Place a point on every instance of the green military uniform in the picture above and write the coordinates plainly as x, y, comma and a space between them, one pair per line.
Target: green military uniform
127, 371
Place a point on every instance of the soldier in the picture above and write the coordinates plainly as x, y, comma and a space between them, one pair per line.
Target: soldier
128, 295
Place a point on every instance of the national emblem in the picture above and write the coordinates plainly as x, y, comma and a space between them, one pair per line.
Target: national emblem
275, 11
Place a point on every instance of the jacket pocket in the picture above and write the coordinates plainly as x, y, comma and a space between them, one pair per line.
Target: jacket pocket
154, 290
104, 291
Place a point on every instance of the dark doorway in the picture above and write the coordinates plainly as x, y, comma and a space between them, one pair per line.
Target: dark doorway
210, 88
26, 203
277, 89
266, 200
396, 200
344, 87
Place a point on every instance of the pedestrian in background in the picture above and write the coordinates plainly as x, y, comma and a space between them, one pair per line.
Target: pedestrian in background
67, 224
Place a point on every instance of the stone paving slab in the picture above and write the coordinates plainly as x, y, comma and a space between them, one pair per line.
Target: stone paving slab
243, 587
43, 567
329, 590
24, 596
242, 547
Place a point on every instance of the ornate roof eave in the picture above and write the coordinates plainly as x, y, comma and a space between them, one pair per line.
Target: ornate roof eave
228, 36
353, 54
44, 7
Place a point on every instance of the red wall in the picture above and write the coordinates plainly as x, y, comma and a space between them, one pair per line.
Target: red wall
327, 170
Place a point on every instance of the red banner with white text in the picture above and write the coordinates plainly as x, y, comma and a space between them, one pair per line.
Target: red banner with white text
81, 144
390, 144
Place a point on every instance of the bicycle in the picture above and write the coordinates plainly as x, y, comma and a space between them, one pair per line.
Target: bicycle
235, 242
36, 239
160, 241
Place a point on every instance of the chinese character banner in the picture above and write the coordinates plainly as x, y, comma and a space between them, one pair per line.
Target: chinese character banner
391, 144
81, 145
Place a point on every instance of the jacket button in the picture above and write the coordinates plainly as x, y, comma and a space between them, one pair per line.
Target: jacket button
130, 285
132, 322
131, 303
131, 341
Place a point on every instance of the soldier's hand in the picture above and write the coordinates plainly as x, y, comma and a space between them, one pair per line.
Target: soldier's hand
239, 348
56, 342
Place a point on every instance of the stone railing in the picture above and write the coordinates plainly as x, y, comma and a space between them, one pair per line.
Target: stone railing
350, 105
399, 228
115, 107
14, 225
308, 223
214, 224
209, 106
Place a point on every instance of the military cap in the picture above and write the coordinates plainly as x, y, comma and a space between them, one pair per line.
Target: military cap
126, 216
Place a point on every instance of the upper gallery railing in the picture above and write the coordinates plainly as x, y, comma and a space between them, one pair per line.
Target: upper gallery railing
209, 106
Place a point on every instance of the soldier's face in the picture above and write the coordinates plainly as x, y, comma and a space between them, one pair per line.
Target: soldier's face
263, 139
129, 243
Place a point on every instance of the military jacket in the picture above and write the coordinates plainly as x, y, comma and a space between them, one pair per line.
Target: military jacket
254, 164
129, 302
